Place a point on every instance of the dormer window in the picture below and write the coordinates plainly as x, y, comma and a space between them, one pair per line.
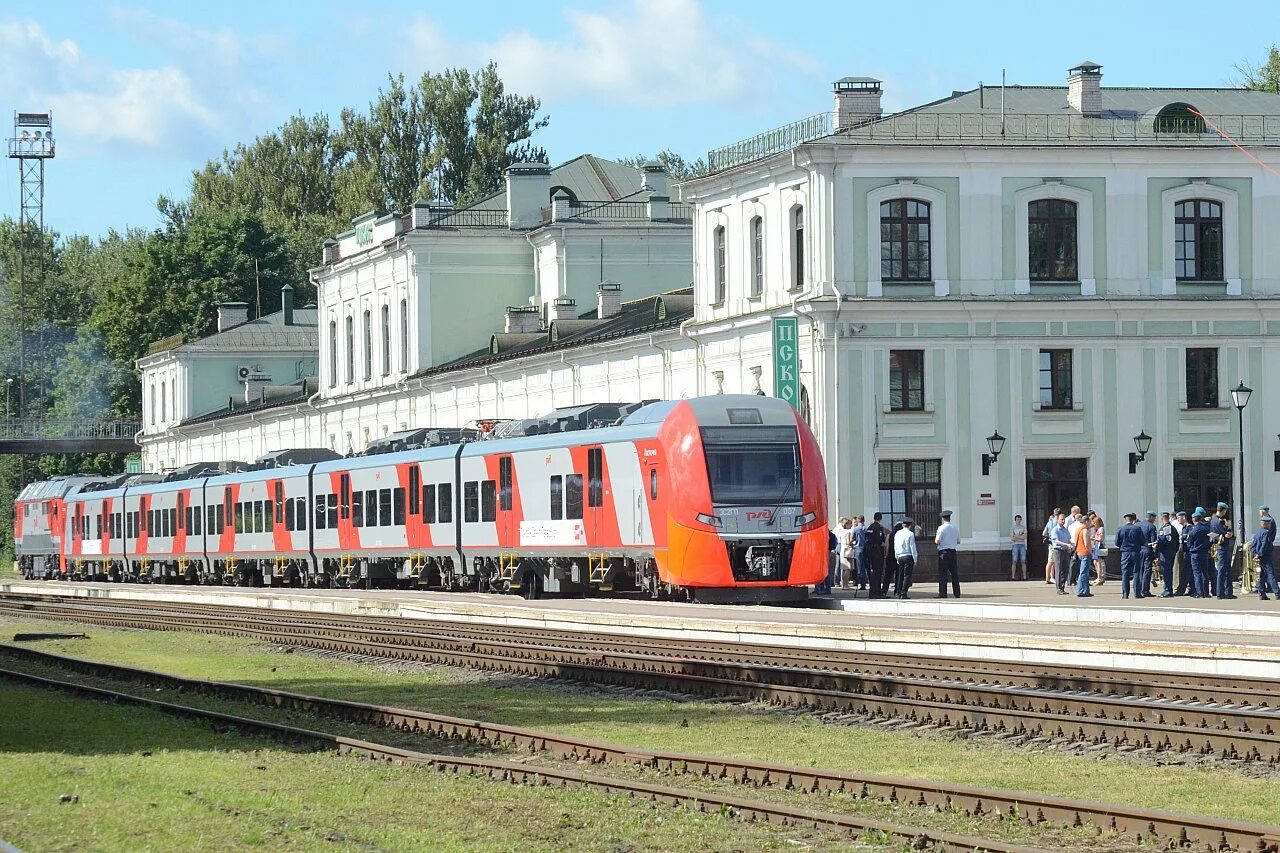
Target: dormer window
1178, 118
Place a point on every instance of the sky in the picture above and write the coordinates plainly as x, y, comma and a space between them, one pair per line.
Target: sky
144, 93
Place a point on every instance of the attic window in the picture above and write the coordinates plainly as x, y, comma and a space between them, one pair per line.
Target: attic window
1178, 118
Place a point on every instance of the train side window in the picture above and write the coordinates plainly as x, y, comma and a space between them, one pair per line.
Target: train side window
573, 495
397, 507
211, 517
333, 511
415, 489
357, 509
196, 516
238, 525
488, 500
288, 514
446, 503
653, 484
320, 516
344, 486
144, 516
301, 509
504, 483
557, 498
429, 504
371, 508
384, 508
471, 501
268, 516
221, 518
186, 520
173, 522
259, 516
595, 476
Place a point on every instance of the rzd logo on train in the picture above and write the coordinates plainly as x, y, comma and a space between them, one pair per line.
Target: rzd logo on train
759, 515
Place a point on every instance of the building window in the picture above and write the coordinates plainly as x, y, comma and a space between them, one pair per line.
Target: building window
1202, 378
1201, 482
904, 240
757, 256
386, 340
404, 335
718, 261
164, 404
1197, 246
333, 353
910, 488
351, 352
906, 380
368, 345
1055, 379
1051, 240
797, 248
152, 407
1178, 118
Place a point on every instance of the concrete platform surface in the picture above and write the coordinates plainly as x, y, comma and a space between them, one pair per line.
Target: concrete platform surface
1024, 630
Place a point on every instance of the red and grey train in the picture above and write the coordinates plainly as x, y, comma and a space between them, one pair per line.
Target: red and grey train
714, 498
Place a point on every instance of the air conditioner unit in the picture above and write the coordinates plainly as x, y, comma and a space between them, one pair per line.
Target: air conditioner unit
246, 372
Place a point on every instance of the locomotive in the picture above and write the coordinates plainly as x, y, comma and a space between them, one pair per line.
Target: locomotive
713, 499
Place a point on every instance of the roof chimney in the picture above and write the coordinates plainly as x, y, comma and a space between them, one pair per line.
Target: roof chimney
231, 314
521, 320
1084, 88
286, 303
857, 101
563, 308
528, 191
608, 300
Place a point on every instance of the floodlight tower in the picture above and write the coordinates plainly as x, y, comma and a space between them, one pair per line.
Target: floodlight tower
31, 145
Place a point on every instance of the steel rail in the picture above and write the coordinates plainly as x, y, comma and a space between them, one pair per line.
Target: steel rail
514, 772
1224, 733
1137, 823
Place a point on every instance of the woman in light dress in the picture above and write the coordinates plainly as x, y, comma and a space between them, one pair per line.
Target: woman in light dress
1099, 535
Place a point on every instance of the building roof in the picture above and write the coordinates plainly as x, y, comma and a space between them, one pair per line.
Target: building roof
266, 333
587, 177
1119, 102
271, 398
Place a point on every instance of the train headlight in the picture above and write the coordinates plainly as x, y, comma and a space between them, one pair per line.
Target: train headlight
807, 518
713, 520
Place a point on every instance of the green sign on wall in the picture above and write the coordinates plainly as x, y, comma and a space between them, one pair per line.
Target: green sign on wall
786, 361
133, 463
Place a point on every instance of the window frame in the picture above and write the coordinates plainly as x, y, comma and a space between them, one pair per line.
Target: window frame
1054, 224
333, 353
1200, 224
910, 370
906, 221
368, 345
719, 266
1202, 389
1061, 366
921, 496
796, 228
351, 349
755, 234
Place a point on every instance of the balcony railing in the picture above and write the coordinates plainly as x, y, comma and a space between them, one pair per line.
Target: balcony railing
471, 218
770, 142
1063, 127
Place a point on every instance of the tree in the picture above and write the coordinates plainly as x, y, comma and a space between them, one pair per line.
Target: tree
1264, 78
677, 167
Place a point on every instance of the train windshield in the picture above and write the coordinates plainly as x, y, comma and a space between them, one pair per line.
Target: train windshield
750, 467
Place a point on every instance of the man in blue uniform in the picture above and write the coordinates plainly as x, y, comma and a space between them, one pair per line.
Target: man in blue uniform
1130, 542
1220, 527
1183, 526
861, 542
1260, 547
1168, 543
1148, 529
1197, 547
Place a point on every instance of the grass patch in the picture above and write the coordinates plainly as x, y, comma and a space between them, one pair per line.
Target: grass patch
145, 781
702, 727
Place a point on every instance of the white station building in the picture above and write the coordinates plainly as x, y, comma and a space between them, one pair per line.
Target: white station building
1069, 268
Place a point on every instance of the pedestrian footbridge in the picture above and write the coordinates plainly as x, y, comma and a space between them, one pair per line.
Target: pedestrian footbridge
62, 435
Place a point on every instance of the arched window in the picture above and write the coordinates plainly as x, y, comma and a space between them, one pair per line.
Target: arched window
904, 240
153, 404
757, 256
386, 340
1178, 118
164, 405
368, 345
1051, 240
718, 261
351, 352
404, 335
797, 247
333, 353
1197, 236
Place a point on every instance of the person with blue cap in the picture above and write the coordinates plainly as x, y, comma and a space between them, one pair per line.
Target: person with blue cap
1168, 544
1130, 542
1148, 528
1197, 547
1260, 547
1220, 533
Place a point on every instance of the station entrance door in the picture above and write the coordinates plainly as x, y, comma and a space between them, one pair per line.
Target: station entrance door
1062, 483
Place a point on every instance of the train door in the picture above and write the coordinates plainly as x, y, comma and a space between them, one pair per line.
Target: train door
594, 503
508, 534
647, 496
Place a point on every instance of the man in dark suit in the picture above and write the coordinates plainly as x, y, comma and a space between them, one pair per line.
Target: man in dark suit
876, 536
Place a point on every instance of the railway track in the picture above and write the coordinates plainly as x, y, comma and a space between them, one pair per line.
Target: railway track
1216, 721
1184, 831
740, 808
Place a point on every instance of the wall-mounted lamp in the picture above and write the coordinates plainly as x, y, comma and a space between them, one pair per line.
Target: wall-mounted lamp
1142, 441
1277, 459
995, 443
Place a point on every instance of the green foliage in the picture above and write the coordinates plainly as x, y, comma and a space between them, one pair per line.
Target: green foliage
677, 167
1264, 78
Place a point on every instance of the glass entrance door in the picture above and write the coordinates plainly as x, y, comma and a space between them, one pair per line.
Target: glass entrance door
1051, 483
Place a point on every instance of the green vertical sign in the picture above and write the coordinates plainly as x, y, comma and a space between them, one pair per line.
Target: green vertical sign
786, 361
133, 463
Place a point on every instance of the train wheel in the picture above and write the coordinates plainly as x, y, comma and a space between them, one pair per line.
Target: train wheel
531, 590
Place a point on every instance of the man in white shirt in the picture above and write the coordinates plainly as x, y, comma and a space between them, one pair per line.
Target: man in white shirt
904, 551
947, 540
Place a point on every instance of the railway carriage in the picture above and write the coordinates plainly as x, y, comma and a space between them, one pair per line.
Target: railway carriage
39, 525
715, 498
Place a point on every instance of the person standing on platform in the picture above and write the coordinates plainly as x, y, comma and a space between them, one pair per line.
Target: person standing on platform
1181, 524
1168, 543
1047, 535
1082, 544
1130, 542
1197, 548
1060, 547
947, 539
1220, 526
876, 536
1099, 536
833, 562
1148, 528
904, 552
1075, 520
1018, 544
1260, 547
860, 560
846, 552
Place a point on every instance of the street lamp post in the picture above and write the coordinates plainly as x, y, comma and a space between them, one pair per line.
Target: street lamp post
1240, 398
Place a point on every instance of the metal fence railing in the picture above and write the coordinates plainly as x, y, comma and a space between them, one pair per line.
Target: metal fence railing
475, 218
33, 428
1066, 127
770, 142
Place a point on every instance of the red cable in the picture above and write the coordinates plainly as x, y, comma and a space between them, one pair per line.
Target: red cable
1227, 137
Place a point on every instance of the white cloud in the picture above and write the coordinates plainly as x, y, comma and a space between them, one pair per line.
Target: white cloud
647, 53
96, 103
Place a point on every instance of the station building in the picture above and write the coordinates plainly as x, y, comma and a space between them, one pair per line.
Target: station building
1068, 268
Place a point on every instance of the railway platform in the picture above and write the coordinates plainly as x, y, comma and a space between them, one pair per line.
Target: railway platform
1013, 621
